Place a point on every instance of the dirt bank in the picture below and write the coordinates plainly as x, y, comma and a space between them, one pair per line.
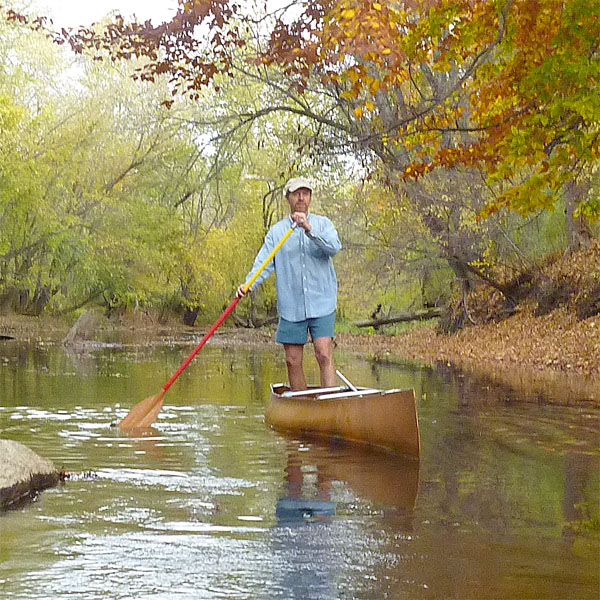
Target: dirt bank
552, 335
523, 352
551, 338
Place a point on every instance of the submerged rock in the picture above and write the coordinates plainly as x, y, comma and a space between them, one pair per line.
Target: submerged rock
23, 474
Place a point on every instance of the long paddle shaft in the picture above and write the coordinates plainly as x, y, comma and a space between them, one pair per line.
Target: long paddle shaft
227, 311
144, 413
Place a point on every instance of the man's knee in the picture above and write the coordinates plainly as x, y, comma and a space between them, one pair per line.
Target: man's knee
293, 362
324, 351
293, 356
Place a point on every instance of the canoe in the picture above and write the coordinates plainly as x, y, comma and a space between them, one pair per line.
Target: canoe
385, 419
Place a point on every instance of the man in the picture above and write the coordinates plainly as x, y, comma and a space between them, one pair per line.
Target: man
306, 283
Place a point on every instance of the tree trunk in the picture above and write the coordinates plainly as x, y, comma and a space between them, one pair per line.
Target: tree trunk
418, 315
190, 315
578, 232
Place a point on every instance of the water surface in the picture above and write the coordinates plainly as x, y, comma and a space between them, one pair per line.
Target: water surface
211, 503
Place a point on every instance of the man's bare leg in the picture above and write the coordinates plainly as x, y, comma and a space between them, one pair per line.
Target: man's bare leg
293, 360
324, 356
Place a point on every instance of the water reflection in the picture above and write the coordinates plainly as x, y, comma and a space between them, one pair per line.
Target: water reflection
313, 469
148, 441
320, 480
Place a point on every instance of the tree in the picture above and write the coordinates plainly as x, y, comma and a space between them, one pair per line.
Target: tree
462, 108
507, 86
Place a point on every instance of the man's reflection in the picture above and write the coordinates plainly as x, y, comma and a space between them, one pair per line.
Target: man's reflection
308, 490
319, 479
314, 470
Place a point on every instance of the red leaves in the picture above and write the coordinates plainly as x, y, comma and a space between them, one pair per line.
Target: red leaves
11, 15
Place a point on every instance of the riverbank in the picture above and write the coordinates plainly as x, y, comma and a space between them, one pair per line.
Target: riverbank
552, 337
533, 355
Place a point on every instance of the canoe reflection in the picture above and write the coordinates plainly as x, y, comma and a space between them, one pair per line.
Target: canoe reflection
316, 472
330, 491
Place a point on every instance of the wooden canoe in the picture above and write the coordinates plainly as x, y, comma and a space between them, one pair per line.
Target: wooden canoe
386, 419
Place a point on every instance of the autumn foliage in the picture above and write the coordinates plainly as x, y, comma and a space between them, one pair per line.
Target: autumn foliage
520, 100
437, 91
506, 86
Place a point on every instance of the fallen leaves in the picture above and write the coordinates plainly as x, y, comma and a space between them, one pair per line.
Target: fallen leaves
557, 340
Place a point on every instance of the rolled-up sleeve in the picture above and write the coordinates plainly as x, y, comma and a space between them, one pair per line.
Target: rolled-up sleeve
325, 236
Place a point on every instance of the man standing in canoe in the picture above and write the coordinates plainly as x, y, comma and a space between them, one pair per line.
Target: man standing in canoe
305, 281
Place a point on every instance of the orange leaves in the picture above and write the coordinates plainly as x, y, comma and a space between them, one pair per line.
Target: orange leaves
363, 31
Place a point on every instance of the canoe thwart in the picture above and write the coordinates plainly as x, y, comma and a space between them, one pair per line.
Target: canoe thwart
309, 391
347, 394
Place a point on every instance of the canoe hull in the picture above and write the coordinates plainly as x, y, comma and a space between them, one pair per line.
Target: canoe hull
384, 419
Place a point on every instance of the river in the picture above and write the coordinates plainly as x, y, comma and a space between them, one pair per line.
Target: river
212, 503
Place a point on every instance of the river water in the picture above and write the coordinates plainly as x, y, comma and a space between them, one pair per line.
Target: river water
214, 504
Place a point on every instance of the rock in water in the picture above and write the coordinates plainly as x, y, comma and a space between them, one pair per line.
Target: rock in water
23, 474
84, 328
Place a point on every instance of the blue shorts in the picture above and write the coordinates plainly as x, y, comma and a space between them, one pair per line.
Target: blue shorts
291, 332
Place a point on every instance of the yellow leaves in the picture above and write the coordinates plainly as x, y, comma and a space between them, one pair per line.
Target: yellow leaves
371, 83
376, 6
348, 14
353, 75
359, 111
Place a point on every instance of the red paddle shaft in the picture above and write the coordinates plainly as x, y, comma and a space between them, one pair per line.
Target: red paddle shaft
203, 341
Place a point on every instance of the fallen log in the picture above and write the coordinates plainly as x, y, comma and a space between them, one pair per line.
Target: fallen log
418, 315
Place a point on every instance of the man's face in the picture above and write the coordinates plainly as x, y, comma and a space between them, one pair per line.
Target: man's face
299, 200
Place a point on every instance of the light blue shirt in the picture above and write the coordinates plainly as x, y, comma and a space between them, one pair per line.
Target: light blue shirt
304, 274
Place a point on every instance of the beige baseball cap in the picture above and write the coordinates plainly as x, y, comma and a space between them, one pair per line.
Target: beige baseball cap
296, 183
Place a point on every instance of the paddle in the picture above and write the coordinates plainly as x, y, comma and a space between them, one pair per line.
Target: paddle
146, 412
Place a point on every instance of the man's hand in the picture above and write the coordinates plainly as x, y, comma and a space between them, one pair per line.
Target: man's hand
301, 220
241, 291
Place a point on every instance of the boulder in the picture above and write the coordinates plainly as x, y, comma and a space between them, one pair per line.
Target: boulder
84, 328
23, 474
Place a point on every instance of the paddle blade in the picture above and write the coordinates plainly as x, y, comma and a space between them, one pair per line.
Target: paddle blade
144, 413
